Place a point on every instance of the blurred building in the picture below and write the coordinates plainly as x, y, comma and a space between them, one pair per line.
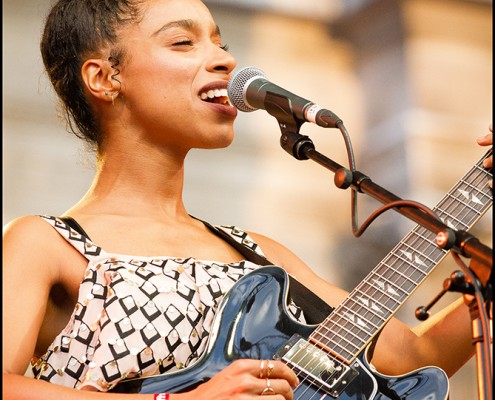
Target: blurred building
411, 79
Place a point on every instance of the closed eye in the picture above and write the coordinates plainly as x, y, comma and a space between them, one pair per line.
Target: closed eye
184, 43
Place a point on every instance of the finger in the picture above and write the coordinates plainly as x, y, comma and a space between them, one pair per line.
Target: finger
261, 368
279, 370
274, 387
485, 140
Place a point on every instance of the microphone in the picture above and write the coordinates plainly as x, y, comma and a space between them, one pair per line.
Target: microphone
248, 89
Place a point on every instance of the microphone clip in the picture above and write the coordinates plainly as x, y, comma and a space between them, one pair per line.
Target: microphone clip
296, 144
291, 140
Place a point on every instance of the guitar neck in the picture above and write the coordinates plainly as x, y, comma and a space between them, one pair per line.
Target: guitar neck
352, 325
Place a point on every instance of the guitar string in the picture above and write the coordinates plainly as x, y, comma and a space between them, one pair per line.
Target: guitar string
347, 347
467, 208
419, 237
481, 172
345, 304
304, 378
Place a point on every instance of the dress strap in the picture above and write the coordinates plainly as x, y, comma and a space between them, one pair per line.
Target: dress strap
75, 225
314, 308
71, 231
240, 242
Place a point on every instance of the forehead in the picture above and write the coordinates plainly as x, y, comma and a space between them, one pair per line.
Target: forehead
157, 13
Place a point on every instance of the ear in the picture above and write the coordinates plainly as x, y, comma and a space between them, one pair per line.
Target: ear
97, 76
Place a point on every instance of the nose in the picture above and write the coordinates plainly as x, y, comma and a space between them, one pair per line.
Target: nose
221, 61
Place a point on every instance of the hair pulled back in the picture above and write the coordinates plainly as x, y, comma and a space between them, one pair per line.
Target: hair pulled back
75, 30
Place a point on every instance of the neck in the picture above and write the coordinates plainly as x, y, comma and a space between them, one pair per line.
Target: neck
128, 184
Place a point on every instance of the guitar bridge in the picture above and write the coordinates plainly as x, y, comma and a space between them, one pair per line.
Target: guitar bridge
316, 366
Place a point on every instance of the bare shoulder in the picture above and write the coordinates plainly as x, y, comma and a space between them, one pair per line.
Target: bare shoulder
31, 242
28, 229
275, 251
285, 258
31, 266
25, 223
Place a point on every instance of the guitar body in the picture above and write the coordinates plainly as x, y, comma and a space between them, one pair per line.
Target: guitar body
252, 322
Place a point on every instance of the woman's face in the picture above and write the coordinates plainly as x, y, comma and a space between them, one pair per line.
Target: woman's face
174, 64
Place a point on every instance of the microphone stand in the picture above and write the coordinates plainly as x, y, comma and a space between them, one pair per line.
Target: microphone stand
302, 148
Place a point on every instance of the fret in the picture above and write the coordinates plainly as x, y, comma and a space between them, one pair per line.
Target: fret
334, 337
455, 222
342, 347
398, 281
347, 320
367, 288
466, 209
418, 237
374, 308
472, 187
469, 191
375, 300
482, 170
396, 288
341, 344
455, 208
335, 348
404, 282
371, 308
344, 336
361, 330
430, 250
427, 240
463, 220
359, 325
414, 250
421, 234
354, 306
403, 276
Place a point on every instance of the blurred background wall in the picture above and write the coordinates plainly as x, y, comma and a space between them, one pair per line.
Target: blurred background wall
411, 79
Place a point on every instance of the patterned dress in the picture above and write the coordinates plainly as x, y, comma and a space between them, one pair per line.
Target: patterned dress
138, 316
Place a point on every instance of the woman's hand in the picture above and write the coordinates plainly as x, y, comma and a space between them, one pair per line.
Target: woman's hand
487, 140
247, 379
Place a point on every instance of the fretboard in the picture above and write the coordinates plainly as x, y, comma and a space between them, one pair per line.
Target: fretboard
352, 325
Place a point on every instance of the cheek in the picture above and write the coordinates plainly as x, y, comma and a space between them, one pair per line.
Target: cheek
168, 76
164, 94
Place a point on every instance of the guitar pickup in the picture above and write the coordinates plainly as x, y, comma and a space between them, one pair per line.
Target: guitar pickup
316, 365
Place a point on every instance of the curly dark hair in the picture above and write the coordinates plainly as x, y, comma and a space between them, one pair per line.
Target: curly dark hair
75, 30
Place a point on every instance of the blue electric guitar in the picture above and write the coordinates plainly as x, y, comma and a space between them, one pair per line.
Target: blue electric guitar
331, 359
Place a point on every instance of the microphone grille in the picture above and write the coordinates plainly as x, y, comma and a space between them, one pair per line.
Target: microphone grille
237, 86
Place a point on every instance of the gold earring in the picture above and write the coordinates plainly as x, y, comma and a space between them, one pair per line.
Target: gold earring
113, 96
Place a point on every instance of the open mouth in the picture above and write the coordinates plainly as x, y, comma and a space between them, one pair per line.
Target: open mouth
217, 96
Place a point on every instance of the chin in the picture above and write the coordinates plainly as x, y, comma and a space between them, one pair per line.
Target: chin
222, 139
220, 144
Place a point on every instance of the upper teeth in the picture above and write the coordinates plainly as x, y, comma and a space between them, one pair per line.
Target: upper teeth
210, 94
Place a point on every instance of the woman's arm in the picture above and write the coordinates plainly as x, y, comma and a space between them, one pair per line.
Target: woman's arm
29, 272
31, 261
400, 348
34, 259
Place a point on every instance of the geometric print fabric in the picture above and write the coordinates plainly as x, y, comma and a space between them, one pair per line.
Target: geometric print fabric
137, 316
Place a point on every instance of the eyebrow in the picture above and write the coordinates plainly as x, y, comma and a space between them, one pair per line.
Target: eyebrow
187, 24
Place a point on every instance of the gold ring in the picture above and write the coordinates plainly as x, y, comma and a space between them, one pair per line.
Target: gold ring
262, 369
268, 390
